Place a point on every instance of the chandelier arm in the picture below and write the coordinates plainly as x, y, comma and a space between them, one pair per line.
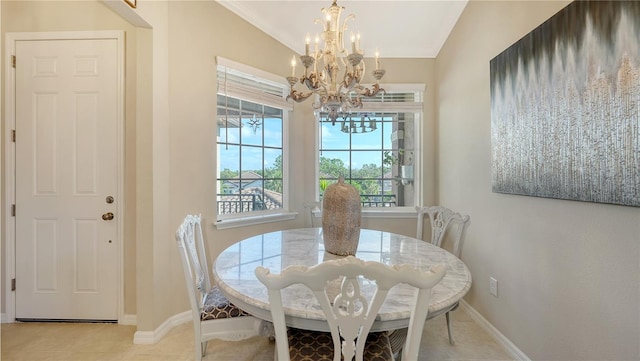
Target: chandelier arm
343, 31
298, 96
319, 21
372, 92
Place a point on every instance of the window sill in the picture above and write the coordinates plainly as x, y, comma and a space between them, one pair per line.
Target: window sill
381, 212
253, 220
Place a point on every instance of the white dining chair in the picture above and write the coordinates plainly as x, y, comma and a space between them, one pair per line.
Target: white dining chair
214, 317
337, 286
445, 223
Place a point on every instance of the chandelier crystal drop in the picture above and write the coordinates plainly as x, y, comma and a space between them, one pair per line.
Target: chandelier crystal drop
333, 72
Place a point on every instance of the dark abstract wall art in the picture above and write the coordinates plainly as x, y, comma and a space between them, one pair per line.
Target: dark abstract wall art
565, 107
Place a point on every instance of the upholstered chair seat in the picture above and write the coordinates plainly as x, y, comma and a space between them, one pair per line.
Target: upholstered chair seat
217, 306
305, 345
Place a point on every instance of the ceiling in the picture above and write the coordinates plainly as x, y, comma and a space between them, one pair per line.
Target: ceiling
397, 29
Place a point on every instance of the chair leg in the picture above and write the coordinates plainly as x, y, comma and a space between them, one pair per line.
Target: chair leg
203, 346
198, 350
451, 340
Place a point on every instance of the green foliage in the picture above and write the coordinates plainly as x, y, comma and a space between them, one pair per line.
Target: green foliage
274, 172
333, 168
228, 174
399, 157
323, 185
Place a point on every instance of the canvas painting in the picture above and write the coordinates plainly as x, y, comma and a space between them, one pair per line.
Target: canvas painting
565, 107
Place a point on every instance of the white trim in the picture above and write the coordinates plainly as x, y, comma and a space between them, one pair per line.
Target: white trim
407, 107
10, 123
9, 182
231, 329
127, 13
501, 339
151, 337
404, 87
128, 320
254, 219
264, 75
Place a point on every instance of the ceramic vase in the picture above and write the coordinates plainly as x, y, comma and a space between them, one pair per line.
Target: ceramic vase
341, 218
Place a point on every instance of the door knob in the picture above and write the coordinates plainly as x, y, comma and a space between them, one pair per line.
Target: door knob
107, 216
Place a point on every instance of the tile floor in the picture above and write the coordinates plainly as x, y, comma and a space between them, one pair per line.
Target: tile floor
93, 342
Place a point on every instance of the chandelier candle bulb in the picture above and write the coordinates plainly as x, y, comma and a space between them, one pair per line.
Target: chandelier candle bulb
353, 43
307, 41
377, 60
293, 66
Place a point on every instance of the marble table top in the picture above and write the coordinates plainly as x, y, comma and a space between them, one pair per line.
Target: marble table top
234, 272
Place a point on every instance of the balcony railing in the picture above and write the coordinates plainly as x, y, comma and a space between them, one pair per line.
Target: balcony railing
238, 203
377, 200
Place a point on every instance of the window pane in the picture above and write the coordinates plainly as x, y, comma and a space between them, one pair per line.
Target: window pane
334, 165
228, 125
332, 137
273, 189
251, 129
273, 130
370, 161
387, 129
374, 152
367, 141
251, 159
229, 160
273, 162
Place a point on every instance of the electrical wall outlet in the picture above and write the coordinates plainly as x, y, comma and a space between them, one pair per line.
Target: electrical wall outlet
493, 286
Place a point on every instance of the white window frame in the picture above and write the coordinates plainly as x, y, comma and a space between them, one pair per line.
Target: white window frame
224, 221
409, 107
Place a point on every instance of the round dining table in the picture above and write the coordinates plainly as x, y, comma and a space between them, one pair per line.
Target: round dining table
234, 273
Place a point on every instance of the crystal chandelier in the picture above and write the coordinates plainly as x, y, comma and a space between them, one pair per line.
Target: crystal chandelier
355, 123
334, 73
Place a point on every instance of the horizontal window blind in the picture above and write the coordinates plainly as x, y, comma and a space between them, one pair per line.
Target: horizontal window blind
244, 82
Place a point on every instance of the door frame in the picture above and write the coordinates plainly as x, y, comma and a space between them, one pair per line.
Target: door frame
10, 153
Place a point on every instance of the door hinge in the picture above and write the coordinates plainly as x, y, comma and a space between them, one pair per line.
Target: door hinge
13, 61
13, 210
13, 135
13, 284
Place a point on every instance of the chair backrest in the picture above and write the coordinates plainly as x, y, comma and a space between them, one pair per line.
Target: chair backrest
194, 261
351, 313
444, 222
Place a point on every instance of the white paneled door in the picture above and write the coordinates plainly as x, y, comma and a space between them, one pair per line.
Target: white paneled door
67, 255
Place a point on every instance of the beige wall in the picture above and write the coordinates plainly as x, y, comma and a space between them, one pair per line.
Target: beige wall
568, 271
42, 16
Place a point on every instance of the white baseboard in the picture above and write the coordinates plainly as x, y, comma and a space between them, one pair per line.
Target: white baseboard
501, 339
151, 337
128, 320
